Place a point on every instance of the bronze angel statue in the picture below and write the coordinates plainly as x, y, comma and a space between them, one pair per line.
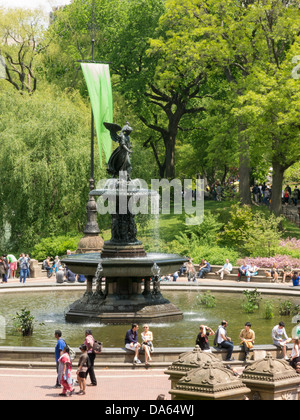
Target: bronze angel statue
120, 158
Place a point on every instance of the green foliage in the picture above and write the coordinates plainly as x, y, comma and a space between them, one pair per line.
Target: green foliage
262, 236
285, 308
24, 322
44, 165
234, 230
207, 299
269, 309
54, 245
254, 234
253, 298
204, 233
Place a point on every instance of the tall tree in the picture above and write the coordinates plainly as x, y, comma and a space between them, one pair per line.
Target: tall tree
21, 41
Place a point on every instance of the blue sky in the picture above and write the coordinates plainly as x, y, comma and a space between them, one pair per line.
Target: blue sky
46, 5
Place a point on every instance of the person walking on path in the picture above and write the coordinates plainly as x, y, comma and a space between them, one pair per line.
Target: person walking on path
223, 341
89, 342
65, 373
83, 366
131, 342
247, 337
60, 345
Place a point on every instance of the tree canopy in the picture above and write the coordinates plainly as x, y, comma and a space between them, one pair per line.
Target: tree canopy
210, 86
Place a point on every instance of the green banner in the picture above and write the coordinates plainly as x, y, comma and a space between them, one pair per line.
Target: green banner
97, 78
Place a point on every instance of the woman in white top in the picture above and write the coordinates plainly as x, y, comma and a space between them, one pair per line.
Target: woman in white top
295, 355
147, 345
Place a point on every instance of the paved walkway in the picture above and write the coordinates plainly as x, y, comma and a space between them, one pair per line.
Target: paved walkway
36, 384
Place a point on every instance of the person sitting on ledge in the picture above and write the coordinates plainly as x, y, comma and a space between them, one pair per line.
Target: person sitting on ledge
251, 272
287, 271
223, 341
204, 268
278, 333
202, 338
242, 271
274, 273
226, 269
295, 278
247, 337
131, 342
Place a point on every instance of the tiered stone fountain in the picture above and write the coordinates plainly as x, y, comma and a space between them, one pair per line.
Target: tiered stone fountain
131, 291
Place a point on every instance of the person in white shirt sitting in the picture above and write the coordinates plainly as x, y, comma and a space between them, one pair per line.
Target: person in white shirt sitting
226, 269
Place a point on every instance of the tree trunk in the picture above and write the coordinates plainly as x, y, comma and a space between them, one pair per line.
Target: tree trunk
170, 158
244, 168
277, 181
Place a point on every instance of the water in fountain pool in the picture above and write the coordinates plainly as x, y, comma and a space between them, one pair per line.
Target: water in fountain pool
49, 308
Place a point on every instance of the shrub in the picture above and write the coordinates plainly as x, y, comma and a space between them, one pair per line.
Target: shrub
253, 296
285, 308
234, 230
24, 322
205, 232
290, 246
281, 260
269, 310
207, 299
54, 245
262, 236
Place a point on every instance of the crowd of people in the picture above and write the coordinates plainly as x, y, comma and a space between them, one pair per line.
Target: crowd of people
247, 339
276, 274
9, 265
262, 193
291, 197
61, 271
88, 352
85, 368
12, 268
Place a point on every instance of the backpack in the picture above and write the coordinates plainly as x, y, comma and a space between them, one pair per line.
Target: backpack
216, 344
72, 352
97, 347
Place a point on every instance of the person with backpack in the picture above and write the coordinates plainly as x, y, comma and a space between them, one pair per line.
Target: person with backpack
223, 341
24, 265
89, 342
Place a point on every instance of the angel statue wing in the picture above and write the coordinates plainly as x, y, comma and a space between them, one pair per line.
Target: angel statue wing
113, 129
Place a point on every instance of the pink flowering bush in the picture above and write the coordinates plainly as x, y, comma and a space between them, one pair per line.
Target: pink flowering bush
281, 261
291, 243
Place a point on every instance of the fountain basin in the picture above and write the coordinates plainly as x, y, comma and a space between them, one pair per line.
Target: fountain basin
127, 296
123, 267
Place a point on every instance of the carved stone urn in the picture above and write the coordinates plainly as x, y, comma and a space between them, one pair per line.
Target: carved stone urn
187, 362
210, 382
272, 379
